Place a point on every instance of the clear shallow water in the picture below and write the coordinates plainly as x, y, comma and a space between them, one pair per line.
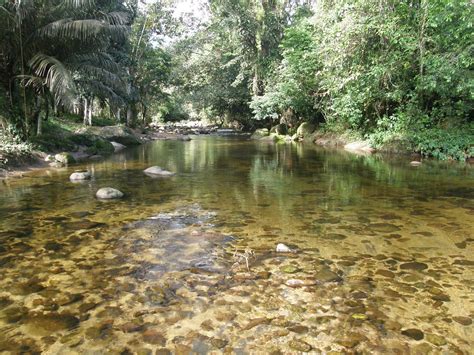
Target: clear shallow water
384, 251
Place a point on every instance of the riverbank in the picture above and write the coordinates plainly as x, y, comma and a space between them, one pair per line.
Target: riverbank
65, 142
442, 144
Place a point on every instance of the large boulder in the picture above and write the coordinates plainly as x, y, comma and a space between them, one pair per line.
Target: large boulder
119, 134
157, 171
305, 130
80, 176
272, 138
108, 193
260, 133
117, 146
65, 158
361, 147
280, 129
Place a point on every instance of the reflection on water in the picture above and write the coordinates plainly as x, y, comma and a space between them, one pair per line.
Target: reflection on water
383, 264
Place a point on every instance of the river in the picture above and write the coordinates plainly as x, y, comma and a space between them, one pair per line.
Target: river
381, 260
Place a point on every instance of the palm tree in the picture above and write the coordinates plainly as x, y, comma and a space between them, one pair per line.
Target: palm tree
62, 53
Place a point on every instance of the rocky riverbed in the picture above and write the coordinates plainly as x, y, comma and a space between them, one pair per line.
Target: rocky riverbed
373, 256
174, 283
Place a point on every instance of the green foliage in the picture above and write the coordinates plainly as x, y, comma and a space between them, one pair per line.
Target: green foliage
103, 121
383, 69
100, 146
12, 148
59, 135
455, 143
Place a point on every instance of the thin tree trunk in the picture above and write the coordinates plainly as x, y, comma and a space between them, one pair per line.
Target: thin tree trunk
85, 112
89, 115
37, 114
131, 114
46, 109
421, 40
144, 112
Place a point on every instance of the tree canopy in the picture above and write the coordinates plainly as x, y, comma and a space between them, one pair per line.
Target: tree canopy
382, 69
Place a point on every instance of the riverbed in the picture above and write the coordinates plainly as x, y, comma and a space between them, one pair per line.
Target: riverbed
381, 256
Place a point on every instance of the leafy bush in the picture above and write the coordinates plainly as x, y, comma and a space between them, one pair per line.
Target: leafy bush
100, 146
457, 143
12, 149
50, 142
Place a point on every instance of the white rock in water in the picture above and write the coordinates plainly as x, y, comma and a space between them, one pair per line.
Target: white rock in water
118, 146
49, 157
157, 171
282, 248
415, 163
359, 146
299, 283
107, 193
80, 175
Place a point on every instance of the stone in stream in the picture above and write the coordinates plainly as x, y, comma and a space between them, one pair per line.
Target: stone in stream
118, 146
415, 163
219, 343
299, 345
65, 158
282, 248
80, 175
299, 283
154, 337
289, 269
413, 333
326, 275
463, 320
107, 193
436, 339
158, 171
53, 322
414, 265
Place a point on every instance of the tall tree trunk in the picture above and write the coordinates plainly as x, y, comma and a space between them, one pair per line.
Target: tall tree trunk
85, 111
144, 112
36, 116
422, 39
89, 114
46, 109
131, 114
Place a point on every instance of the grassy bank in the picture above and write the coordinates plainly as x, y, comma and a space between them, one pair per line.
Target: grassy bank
443, 143
66, 134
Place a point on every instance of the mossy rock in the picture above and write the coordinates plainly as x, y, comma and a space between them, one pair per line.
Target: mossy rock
305, 129
119, 134
280, 129
100, 147
260, 133
65, 158
52, 142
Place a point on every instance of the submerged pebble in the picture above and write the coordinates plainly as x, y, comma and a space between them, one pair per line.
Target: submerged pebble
413, 333
299, 345
414, 266
463, 320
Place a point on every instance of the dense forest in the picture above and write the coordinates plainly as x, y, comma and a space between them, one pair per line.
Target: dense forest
381, 70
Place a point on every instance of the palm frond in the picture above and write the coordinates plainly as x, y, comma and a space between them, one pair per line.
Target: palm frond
117, 17
99, 59
33, 81
57, 78
78, 3
84, 30
103, 91
97, 73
